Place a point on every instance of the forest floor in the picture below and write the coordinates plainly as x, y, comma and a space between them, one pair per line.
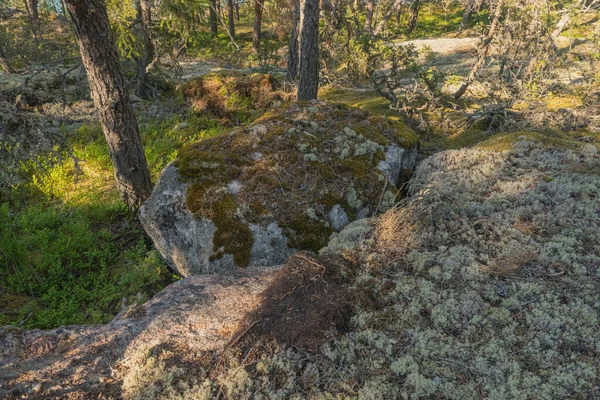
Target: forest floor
74, 255
71, 174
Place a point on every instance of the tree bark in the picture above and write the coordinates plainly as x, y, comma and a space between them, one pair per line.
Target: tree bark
413, 15
31, 6
485, 46
32, 9
111, 99
147, 56
231, 25
369, 15
4, 63
237, 11
308, 84
393, 8
294, 46
469, 8
256, 33
213, 18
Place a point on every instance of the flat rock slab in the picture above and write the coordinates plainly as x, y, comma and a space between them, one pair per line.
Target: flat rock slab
198, 314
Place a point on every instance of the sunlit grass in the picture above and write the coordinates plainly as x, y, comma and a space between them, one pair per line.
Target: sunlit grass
70, 249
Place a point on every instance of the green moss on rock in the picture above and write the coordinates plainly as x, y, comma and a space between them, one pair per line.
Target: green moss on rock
287, 163
232, 235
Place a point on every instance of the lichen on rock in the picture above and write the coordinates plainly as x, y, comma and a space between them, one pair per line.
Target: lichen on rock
313, 156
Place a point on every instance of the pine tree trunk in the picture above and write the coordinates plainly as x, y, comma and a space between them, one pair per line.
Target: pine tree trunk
231, 26
485, 46
32, 8
237, 11
369, 15
413, 15
4, 63
147, 56
213, 18
308, 84
393, 8
256, 33
469, 8
111, 99
294, 46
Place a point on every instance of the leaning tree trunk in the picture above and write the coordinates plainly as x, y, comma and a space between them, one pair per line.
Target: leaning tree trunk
308, 84
111, 99
413, 15
485, 46
565, 19
256, 33
294, 46
369, 15
4, 63
213, 18
231, 25
147, 56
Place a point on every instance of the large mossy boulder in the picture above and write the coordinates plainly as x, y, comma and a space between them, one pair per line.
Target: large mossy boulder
286, 183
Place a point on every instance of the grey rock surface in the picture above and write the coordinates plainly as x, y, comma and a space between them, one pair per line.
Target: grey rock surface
186, 242
398, 162
199, 314
338, 217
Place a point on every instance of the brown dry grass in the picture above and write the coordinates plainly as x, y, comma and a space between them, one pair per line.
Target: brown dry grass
510, 263
224, 94
305, 305
395, 232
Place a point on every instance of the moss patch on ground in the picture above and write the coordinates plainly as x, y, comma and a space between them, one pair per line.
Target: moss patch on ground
233, 96
292, 166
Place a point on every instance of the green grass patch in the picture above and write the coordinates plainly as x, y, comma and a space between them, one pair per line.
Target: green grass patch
435, 21
70, 251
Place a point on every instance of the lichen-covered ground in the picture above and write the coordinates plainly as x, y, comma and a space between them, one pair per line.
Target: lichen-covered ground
484, 284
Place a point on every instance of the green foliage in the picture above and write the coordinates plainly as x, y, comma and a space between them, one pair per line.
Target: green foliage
266, 60
73, 264
352, 61
436, 20
72, 251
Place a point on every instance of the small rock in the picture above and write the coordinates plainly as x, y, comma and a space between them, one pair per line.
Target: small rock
234, 187
256, 156
363, 213
258, 129
313, 125
338, 217
313, 110
291, 131
182, 125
